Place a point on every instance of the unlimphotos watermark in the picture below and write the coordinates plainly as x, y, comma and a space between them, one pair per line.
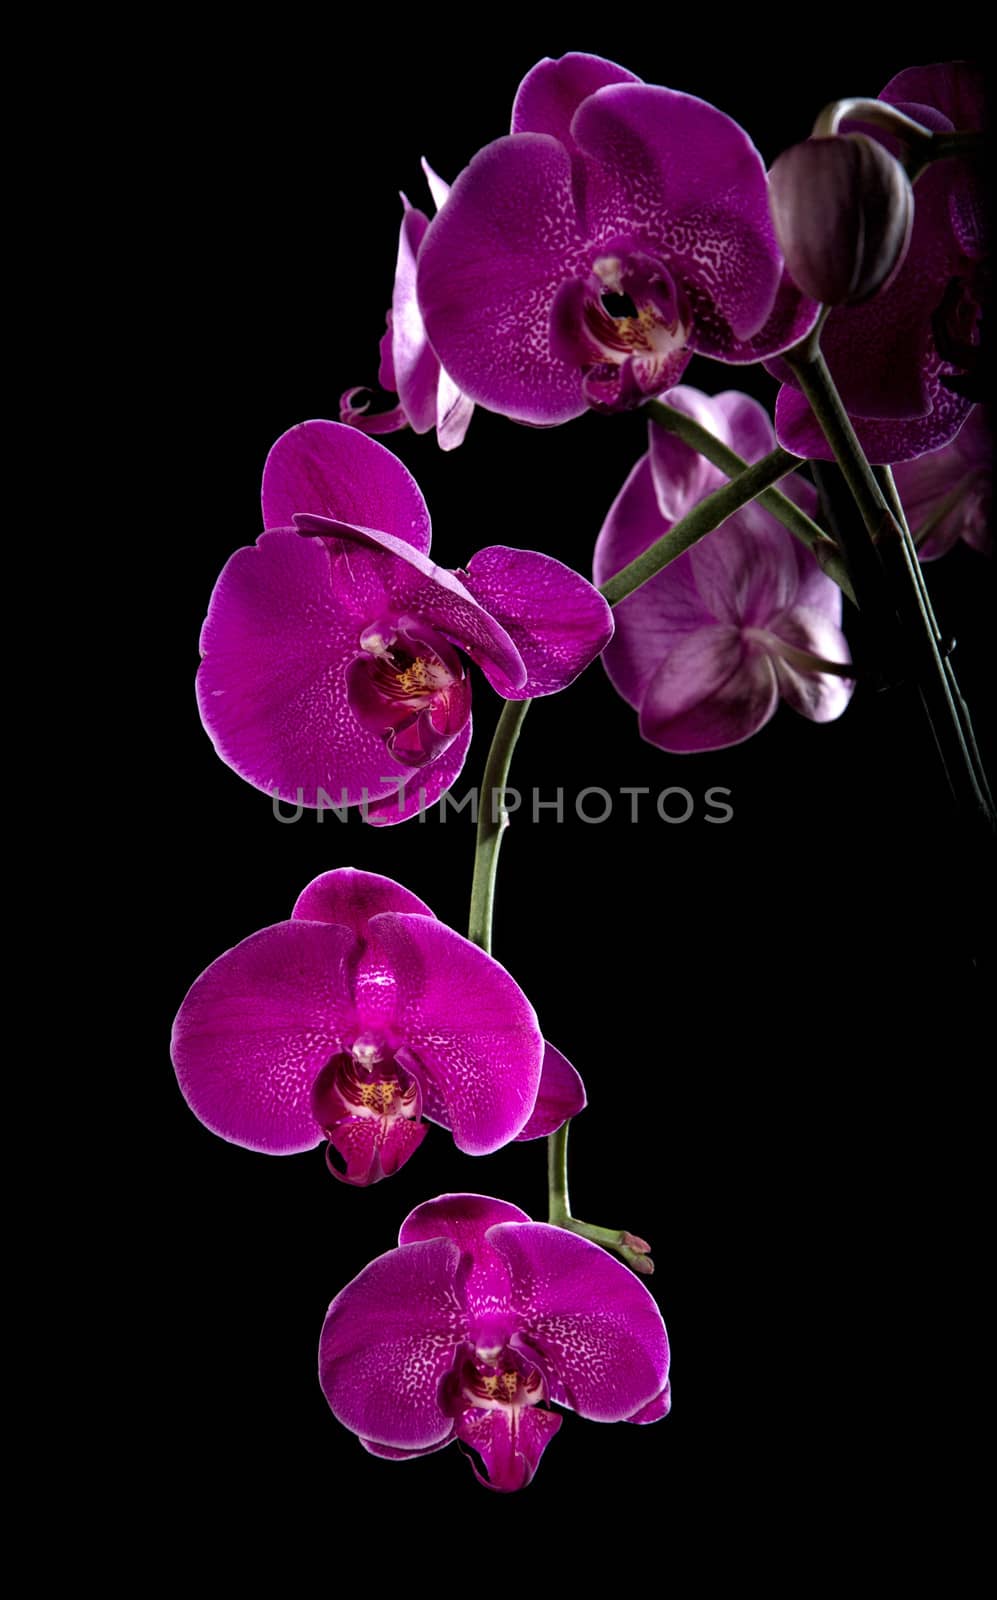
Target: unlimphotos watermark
591, 805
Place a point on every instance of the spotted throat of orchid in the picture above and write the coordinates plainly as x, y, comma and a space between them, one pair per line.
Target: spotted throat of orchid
475, 1325
354, 1019
334, 651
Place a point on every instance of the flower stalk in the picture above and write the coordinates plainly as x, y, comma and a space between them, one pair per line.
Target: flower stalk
889, 586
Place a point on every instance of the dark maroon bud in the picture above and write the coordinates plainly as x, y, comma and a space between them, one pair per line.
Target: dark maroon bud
842, 210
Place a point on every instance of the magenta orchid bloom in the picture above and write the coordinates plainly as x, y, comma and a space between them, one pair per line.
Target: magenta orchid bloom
584, 258
947, 494
474, 1324
427, 396
905, 362
332, 670
704, 650
354, 1019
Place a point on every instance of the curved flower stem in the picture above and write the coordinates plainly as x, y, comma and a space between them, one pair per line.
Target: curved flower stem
781, 507
633, 1250
889, 585
923, 145
493, 819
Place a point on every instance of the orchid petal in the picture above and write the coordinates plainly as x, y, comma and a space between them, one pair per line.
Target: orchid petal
594, 1325
708, 218
415, 366
662, 611
655, 1409
884, 442
819, 696
256, 1029
336, 471
272, 688
552, 91
558, 622
466, 1218
388, 1341
709, 692
509, 222
350, 898
561, 1095
469, 1027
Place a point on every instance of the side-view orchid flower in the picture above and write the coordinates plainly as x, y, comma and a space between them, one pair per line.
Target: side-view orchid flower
427, 396
475, 1324
905, 362
582, 259
354, 1019
704, 650
332, 669
948, 493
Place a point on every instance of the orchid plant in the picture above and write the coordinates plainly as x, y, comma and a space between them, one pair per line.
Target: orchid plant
578, 263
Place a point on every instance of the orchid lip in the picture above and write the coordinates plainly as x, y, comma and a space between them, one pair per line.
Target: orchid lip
409, 687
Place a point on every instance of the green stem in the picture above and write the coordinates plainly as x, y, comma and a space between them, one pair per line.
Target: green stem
781, 507
634, 1251
493, 819
888, 583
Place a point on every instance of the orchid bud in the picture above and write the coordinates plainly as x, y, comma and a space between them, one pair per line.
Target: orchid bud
842, 210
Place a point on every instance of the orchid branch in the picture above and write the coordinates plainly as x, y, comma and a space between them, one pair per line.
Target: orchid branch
884, 569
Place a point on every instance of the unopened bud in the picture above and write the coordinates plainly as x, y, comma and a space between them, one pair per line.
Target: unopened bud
842, 210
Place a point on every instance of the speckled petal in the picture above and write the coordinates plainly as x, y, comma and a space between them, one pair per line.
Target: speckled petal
790, 320
883, 442
350, 898
561, 1095
706, 218
552, 91
386, 1453
256, 1029
388, 1341
423, 787
598, 1331
490, 267
468, 1025
336, 471
710, 692
279, 636
558, 622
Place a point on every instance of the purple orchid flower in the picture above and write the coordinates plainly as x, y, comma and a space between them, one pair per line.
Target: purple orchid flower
427, 396
331, 671
704, 650
581, 260
947, 494
353, 1020
905, 362
475, 1321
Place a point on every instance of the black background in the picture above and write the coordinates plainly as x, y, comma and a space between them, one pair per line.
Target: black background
775, 1017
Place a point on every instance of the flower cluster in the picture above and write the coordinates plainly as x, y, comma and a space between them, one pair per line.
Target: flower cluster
577, 263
